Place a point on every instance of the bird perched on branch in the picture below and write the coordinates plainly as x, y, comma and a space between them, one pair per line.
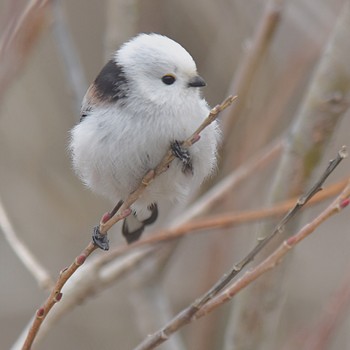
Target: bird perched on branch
145, 100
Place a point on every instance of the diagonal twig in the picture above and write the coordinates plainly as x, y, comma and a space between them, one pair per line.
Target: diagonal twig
188, 313
341, 202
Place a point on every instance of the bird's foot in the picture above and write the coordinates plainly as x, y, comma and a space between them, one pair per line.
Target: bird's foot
184, 155
99, 239
133, 227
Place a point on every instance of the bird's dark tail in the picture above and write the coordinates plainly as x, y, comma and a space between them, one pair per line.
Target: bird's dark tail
133, 227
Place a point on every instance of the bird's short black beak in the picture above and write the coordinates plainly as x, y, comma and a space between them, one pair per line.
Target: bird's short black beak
197, 81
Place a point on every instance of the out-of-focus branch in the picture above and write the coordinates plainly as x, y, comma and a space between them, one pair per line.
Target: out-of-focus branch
89, 281
151, 305
319, 336
250, 63
73, 67
16, 43
121, 23
325, 102
32, 264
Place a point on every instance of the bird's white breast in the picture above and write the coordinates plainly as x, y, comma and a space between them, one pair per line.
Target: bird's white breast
112, 149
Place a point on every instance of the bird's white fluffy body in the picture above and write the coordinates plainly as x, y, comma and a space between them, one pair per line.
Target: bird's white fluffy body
115, 145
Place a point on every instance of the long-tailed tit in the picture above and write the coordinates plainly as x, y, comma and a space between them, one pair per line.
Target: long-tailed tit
145, 100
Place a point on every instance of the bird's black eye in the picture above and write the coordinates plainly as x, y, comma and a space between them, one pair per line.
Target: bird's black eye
168, 79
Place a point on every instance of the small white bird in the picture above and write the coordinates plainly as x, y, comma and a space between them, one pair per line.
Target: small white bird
145, 100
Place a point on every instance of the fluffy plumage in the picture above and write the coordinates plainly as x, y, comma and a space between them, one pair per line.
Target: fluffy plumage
131, 115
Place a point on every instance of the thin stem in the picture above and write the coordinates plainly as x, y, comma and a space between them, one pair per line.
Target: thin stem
55, 295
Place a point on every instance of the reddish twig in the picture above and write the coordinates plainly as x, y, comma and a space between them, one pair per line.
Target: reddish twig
55, 295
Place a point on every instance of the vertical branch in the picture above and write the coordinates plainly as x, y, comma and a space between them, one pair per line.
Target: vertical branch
121, 23
325, 103
250, 63
66, 47
151, 304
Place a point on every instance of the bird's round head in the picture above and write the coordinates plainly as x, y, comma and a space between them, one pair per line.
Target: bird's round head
159, 69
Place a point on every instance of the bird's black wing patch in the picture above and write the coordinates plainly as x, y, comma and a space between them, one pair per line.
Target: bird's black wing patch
111, 84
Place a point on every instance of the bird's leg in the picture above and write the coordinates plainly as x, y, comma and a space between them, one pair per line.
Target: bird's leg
154, 214
184, 155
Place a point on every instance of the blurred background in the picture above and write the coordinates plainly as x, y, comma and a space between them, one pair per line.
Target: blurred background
53, 214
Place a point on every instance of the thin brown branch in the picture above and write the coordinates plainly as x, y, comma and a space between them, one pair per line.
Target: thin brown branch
124, 211
186, 315
76, 80
55, 295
